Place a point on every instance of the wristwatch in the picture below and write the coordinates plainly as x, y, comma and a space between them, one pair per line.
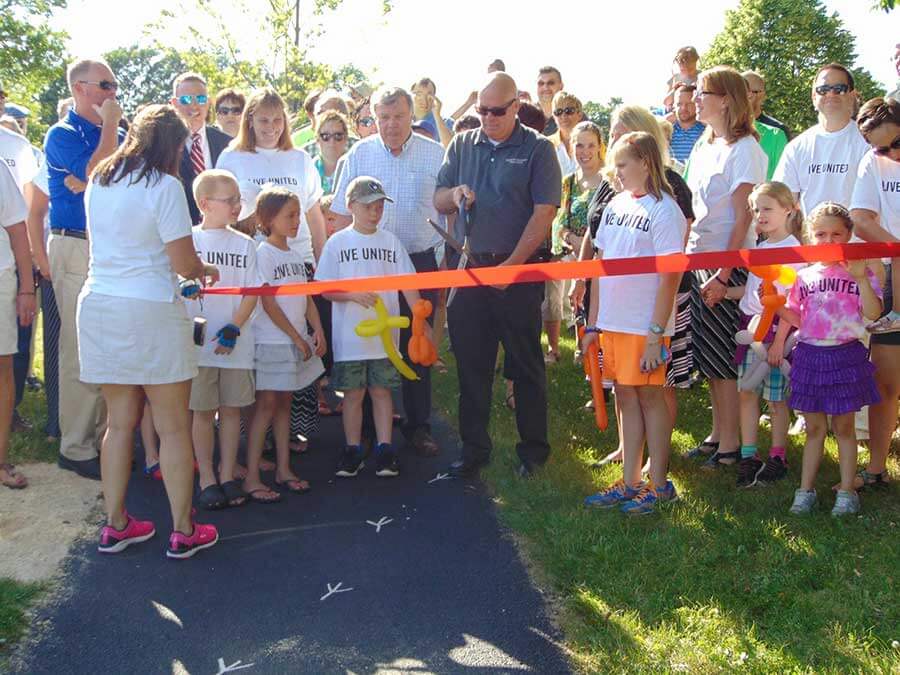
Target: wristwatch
656, 329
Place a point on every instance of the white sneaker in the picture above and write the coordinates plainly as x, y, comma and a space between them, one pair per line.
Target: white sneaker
804, 502
846, 504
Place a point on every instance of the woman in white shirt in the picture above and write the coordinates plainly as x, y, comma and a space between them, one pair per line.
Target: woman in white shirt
134, 334
725, 165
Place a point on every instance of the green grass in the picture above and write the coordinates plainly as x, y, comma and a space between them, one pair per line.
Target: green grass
16, 597
720, 580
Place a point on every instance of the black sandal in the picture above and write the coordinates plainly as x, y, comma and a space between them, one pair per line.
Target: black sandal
212, 498
720, 459
701, 451
234, 494
873, 480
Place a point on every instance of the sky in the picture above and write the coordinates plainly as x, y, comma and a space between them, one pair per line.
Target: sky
599, 46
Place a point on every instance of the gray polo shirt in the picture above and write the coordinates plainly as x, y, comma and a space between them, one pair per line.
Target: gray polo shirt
508, 180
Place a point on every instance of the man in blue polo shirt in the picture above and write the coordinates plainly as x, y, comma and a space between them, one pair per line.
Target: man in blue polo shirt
686, 129
509, 178
74, 146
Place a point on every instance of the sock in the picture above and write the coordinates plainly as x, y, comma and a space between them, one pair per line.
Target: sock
894, 315
382, 447
747, 451
777, 451
357, 449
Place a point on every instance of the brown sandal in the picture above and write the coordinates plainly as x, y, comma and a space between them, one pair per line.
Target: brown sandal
14, 479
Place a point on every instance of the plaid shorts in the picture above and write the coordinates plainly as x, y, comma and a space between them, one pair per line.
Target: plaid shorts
774, 384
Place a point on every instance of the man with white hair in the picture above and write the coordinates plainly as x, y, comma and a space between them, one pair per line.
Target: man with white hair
73, 147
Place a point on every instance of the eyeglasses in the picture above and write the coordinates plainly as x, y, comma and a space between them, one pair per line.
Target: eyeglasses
366, 121
229, 110
336, 135
105, 85
187, 99
838, 89
496, 111
709, 93
232, 201
566, 111
883, 150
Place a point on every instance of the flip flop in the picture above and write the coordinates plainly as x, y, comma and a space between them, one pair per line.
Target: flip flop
212, 498
259, 500
233, 492
294, 485
701, 451
16, 480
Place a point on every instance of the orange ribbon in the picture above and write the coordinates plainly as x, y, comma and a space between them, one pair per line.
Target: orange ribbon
588, 269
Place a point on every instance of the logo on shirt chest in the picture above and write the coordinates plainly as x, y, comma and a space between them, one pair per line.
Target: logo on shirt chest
226, 259
368, 253
632, 221
890, 185
288, 269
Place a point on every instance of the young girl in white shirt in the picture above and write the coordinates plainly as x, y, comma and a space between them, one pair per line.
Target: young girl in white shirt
287, 357
635, 316
777, 218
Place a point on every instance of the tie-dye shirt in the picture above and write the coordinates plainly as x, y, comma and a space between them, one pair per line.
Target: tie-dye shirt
828, 301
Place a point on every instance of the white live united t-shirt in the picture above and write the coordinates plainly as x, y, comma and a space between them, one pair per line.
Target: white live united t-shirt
717, 169
633, 227
234, 255
349, 254
292, 169
129, 224
877, 189
276, 267
822, 165
12, 212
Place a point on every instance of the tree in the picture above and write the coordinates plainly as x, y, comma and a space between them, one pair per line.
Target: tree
31, 56
786, 41
600, 114
145, 75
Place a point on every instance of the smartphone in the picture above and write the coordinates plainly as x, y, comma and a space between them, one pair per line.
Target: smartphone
199, 331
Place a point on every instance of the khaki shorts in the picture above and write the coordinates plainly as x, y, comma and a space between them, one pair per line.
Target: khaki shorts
222, 387
346, 375
9, 327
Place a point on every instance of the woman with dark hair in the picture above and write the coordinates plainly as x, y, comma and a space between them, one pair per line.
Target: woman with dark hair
875, 210
364, 121
229, 107
134, 334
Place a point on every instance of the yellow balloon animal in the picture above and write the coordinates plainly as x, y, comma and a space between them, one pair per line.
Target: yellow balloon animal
382, 325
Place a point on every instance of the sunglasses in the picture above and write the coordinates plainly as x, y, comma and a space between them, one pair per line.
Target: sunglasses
187, 99
336, 135
496, 111
838, 89
883, 150
566, 111
105, 85
366, 121
229, 110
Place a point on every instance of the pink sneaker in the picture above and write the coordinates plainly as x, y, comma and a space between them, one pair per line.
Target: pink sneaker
183, 546
116, 541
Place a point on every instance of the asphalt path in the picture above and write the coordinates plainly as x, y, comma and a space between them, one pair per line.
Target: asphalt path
363, 575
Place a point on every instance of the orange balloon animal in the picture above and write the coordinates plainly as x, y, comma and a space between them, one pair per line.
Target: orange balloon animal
771, 300
421, 350
591, 363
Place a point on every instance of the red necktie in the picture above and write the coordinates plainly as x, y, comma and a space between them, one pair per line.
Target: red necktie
197, 154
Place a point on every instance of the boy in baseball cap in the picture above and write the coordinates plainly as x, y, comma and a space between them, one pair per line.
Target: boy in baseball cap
361, 363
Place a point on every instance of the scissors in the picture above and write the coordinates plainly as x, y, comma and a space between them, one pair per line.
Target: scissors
464, 250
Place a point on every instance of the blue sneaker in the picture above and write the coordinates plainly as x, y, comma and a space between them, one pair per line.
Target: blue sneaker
615, 494
647, 500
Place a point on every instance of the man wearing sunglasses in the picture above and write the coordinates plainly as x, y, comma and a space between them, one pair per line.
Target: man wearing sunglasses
205, 143
506, 179
87, 134
407, 164
821, 163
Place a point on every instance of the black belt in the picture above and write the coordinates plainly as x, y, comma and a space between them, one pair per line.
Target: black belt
427, 254
494, 259
78, 234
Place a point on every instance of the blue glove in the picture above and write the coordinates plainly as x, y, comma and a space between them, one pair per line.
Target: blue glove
190, 289
227, 335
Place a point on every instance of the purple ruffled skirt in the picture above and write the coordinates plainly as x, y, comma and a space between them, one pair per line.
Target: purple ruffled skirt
832, 380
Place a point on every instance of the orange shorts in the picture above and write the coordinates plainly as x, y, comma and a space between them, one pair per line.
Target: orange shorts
622, 354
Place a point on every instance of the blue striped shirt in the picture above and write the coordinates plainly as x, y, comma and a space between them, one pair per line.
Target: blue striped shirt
683, 140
